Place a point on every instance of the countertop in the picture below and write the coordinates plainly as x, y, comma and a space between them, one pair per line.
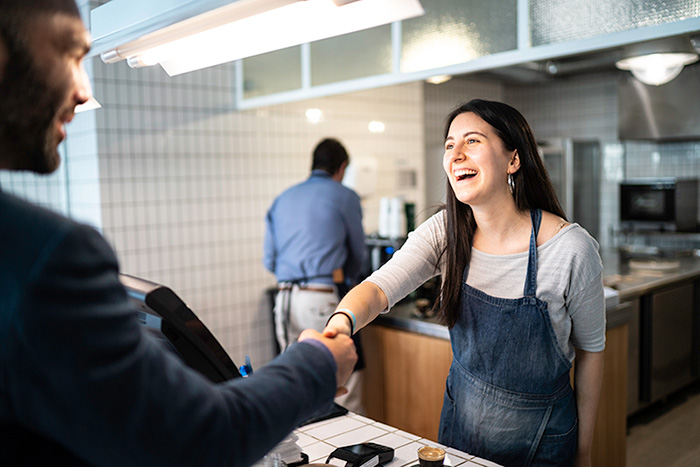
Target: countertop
650, 273
630, 282
319, 439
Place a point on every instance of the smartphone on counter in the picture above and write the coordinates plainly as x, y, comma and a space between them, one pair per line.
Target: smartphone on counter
363, 455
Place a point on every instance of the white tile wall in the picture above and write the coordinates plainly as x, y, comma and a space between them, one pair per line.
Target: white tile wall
186, 181
581, 107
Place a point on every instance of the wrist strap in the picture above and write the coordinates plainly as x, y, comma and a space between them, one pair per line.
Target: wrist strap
354, 320
349, 316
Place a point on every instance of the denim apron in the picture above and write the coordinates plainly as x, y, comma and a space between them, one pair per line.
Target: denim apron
508, 397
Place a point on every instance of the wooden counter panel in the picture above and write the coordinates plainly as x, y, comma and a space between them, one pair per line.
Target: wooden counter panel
610, 436
414, 368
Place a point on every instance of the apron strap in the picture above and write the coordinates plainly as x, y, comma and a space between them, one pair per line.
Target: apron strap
531, 278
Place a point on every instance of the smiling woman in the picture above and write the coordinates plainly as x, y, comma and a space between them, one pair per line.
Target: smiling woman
522, 296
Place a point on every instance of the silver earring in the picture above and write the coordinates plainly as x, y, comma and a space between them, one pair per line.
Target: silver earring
511, 183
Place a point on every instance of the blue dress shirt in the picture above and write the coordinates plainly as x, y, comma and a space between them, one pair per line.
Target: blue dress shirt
314, 228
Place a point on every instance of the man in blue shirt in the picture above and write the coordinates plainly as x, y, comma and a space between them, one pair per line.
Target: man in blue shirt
315, 246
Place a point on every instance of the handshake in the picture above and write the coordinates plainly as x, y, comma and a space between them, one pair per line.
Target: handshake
343, 349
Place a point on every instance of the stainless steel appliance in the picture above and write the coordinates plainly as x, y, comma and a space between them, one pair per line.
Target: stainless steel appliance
379, 251
664, 204
670, 112
578, 195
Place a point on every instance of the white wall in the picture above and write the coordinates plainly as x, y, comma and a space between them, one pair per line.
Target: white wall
186, 181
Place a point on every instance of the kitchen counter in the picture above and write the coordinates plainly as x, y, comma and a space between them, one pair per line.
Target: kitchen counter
630, 282
404, 317
319, 439
638, 276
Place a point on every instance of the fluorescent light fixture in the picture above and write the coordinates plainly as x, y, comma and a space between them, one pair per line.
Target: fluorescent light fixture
438, 79
91, 104
656, 63
245, 28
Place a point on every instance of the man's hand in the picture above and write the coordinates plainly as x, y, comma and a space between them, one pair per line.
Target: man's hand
343, 350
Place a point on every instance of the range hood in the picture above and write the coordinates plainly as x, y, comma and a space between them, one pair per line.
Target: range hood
186, 35
670, 112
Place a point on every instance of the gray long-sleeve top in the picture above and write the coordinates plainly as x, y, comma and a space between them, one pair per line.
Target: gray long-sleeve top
569, 278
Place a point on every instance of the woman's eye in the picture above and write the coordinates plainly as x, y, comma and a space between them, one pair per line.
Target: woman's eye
472, 140
449, 146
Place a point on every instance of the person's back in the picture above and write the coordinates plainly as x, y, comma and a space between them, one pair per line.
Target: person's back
315, 246
314, 225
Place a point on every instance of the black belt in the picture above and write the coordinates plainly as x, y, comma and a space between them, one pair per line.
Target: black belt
308, 288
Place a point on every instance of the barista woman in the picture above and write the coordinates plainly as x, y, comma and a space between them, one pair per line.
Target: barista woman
522, 295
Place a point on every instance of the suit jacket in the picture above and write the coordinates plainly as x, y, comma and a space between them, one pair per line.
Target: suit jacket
81, 381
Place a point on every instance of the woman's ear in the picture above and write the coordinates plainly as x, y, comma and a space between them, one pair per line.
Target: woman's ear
514, 164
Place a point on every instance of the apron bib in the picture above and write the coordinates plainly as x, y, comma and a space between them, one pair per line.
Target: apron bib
508, 397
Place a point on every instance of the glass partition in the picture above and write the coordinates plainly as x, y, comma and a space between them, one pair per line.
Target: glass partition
351, 56
554, 21
456, 31
272, 72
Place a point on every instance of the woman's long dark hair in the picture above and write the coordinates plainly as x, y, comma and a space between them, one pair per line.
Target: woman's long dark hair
532, 189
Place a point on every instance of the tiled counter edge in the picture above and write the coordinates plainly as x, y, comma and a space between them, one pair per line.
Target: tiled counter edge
319, 439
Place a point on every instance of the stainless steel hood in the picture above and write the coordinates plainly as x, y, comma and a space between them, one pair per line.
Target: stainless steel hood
670, 112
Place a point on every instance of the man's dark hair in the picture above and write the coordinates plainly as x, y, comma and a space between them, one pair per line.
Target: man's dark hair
329, 155
36, 6
15, 13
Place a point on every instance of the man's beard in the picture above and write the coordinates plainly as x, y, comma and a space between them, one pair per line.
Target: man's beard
28, 108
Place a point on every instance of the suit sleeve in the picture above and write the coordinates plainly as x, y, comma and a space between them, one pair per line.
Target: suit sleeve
87, 375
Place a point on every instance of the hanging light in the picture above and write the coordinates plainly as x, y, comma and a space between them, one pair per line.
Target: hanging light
658, 62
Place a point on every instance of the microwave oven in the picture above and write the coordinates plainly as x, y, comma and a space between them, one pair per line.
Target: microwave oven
663, 204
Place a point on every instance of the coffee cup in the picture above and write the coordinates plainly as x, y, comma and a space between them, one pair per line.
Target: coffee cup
429, 456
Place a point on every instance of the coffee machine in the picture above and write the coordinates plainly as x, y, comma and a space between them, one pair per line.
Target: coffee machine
379, 251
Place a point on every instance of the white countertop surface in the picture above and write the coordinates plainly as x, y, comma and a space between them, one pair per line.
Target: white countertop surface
319, 439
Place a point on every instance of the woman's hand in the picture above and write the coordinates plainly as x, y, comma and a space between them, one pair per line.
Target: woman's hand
338, 324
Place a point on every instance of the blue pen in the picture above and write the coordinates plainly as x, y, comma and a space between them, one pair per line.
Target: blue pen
246, 369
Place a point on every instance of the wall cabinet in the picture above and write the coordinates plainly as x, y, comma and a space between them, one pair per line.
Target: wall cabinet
405, 383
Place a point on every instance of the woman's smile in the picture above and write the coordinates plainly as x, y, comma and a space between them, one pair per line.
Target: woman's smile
475, 161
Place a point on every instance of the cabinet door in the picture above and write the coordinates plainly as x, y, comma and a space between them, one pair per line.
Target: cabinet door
671, 340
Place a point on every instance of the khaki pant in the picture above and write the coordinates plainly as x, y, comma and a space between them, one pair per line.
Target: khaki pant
298, 308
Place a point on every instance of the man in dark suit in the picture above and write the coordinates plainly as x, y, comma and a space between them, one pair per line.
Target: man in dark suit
80, 381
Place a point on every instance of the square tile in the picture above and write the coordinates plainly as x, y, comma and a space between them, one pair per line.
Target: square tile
406, 455
360, 435
318, 452
334, 427
392, 440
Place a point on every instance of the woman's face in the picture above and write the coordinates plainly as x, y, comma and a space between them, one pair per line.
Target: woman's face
476, 162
